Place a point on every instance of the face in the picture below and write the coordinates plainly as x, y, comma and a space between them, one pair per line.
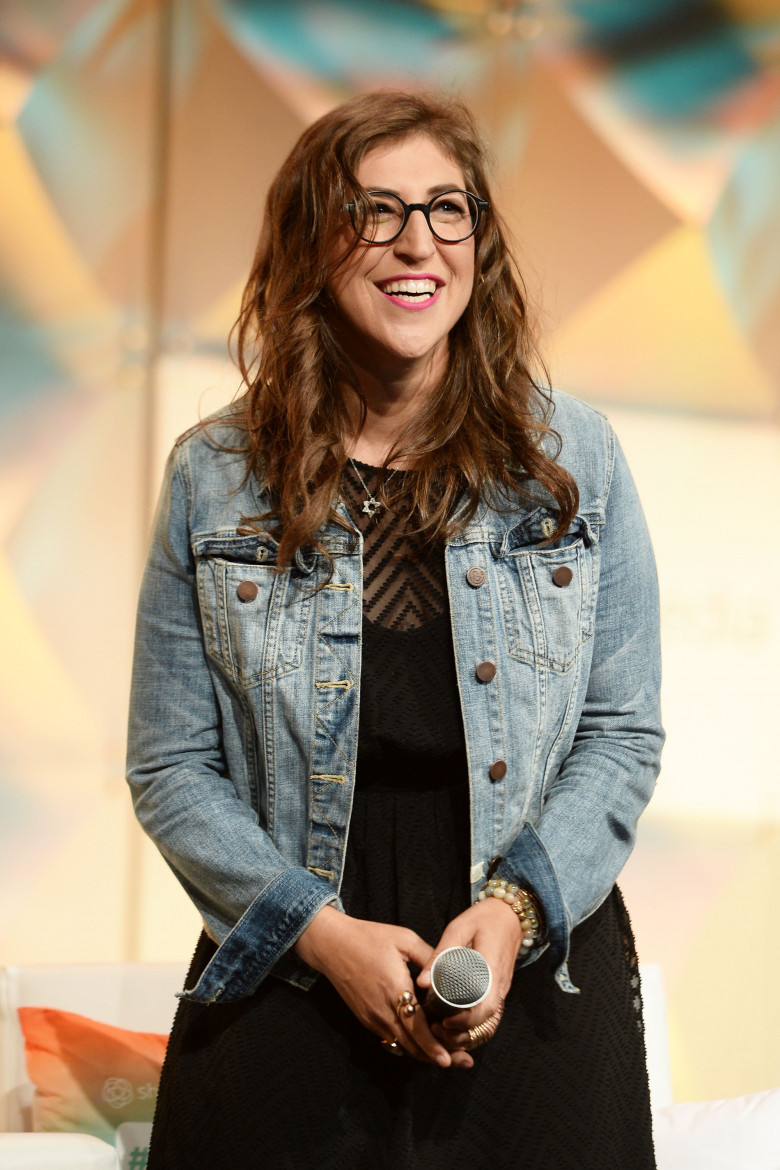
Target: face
394, 327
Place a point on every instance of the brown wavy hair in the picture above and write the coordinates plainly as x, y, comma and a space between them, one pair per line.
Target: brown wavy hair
481, 432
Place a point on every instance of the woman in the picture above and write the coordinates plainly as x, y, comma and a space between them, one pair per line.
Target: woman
397, 639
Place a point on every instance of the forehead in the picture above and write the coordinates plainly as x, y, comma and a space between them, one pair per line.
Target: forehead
415, 159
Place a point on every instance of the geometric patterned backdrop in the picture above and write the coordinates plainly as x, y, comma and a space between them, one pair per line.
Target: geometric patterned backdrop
638, 163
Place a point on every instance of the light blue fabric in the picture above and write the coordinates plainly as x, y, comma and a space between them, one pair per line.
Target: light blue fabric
244, 713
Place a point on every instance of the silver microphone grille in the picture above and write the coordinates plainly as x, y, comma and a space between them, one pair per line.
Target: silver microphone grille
460, 977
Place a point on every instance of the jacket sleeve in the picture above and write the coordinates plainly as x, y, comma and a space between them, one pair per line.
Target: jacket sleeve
587, 827
254, 904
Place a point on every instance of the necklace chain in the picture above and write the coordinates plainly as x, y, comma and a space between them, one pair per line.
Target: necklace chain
371, 505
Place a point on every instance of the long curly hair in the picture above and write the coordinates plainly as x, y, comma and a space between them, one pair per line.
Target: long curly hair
483, 432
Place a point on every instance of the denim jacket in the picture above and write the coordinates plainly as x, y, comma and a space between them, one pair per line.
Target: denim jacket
246, 692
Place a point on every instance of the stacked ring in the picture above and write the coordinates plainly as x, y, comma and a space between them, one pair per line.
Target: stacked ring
481, 1033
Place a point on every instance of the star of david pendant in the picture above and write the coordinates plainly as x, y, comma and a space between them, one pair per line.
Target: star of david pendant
371, 506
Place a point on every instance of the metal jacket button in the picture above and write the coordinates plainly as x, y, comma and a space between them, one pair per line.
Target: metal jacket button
476, 576
247, 591
486, 671
562, 576
498, 770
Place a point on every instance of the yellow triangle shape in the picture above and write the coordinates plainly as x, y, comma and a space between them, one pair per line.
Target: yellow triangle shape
49, 280
662, 333
215, 322
62, 750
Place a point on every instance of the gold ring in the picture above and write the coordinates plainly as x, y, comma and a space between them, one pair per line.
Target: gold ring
407, 1005
393, 1047
481, 1033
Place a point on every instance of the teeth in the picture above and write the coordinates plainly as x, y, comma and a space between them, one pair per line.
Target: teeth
413, 287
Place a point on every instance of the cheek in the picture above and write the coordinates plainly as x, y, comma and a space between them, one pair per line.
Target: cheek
467, 279
465, 265
350, 284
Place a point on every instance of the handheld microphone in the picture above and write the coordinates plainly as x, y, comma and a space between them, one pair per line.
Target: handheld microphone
460, 979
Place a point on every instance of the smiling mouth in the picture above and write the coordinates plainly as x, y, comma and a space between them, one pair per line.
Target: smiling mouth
410, 290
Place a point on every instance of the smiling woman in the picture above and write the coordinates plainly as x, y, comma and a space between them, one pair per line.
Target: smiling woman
396, 691
313, 293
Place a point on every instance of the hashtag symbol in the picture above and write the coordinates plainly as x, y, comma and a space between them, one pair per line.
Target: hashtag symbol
138, 1158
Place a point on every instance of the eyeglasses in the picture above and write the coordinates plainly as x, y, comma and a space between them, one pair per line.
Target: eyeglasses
452, 216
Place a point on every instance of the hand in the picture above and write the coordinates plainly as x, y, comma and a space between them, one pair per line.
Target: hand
491, 928
368, 964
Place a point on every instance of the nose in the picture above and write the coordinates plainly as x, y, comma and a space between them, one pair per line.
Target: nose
416, 240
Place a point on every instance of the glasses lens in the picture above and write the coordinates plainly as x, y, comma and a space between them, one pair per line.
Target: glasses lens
454, 215
384, 216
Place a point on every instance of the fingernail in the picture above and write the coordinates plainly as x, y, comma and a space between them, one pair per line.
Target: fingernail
443, 1059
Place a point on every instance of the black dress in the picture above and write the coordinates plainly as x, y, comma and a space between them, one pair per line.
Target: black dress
287, 1078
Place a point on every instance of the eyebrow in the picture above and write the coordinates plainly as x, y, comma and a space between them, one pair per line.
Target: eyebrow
431, 192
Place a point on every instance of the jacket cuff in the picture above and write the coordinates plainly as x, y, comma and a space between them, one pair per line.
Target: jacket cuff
528, 864
264, 933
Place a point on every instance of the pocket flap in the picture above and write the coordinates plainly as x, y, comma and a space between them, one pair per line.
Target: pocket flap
259, 547
539, 525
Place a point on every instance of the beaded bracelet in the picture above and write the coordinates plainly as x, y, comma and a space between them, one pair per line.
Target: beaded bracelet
525, 906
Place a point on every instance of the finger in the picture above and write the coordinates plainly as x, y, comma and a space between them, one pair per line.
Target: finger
423, 980
481, 1033
429, 1047
458, 1059
425, 1044
455, 1043
395, 1032
457, 934
462, 1021
410, 1046
415, 949
475, 1037
406, 1008
393, 1047
397, 1026
460, 1040
449, 1038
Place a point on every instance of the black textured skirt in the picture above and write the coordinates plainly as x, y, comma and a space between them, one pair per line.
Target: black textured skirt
288, 1078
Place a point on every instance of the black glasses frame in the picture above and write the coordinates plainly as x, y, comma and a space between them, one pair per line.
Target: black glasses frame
425, 208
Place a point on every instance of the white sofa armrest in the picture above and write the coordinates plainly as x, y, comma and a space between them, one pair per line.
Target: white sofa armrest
738, 1133
55, 1151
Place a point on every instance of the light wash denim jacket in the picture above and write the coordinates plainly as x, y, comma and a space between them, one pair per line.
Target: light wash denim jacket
246, 691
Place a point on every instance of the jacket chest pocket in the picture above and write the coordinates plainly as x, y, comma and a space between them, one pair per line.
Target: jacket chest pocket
254, 619
547, 600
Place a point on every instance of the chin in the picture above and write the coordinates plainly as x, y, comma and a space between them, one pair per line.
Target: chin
416, 348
